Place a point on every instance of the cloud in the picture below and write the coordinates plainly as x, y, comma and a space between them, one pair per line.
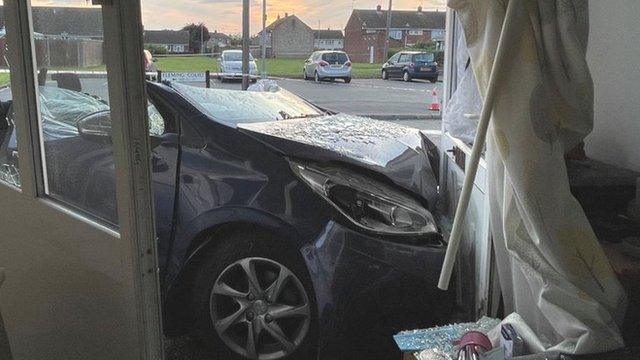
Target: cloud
226, 15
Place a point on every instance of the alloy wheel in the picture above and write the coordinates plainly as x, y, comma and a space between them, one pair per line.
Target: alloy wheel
317, 77
260, 309
384, 75
406, 77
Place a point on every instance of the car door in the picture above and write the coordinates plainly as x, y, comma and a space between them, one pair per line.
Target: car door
76, 286
392, 68
313, 64
404, 60
164, 132
308, 64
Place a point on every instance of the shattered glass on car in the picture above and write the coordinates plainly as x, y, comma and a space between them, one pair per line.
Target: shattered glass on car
370, 141
61, 110
234, 107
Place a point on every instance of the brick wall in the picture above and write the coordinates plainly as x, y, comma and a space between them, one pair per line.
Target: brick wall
292, 39
358, 42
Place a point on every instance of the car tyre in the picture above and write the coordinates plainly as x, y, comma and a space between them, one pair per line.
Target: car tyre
433, 80
347, 80
385, 76
317, 77
305, 75
215, 288
406, 77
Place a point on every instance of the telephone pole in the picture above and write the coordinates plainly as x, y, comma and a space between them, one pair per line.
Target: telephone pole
264, 39
386, 41
246, 38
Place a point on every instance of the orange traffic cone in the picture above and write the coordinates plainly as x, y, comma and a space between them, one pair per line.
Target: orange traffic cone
435, 102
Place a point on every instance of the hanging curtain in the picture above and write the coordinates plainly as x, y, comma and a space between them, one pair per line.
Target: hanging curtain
553, 272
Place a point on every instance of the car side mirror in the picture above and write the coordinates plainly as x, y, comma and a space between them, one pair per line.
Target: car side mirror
96, 127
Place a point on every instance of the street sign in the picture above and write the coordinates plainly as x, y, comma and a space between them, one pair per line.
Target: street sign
184, 76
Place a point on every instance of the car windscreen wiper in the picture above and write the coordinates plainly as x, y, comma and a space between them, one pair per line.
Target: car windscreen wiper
286, 116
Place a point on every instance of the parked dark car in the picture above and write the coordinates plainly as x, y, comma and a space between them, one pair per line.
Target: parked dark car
409, 65
283, 231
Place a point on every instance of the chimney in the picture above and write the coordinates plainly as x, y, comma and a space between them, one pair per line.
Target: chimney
278, 16
420, 8
286, 14
379, 8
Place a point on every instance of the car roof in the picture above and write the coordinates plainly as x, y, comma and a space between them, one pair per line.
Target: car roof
232, 51
415, 52
330, 51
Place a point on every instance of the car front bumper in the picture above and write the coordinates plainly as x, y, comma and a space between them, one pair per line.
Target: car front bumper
368, 288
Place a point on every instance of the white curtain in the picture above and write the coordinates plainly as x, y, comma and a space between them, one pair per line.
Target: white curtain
553, 271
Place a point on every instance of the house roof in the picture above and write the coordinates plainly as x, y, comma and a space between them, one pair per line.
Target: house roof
219, 35
281, 21
71, 21
166, 37
328, 34
373, 19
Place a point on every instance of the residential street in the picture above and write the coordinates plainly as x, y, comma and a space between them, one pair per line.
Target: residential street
363, 96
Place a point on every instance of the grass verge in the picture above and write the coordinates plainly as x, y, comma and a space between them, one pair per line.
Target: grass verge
287, 68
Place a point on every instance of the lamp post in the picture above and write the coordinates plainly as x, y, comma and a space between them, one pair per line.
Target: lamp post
246, 18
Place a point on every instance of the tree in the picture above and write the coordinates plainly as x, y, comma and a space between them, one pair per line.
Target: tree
196, 31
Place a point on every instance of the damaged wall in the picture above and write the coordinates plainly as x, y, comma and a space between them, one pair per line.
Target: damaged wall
614, 52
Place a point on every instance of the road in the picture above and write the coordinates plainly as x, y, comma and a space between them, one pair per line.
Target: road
362, 96
392, 100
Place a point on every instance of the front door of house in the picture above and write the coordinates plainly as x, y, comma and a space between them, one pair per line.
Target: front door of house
77, 242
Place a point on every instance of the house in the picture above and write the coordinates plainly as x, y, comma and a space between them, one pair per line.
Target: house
328, 40
289, 37
365, 32
218, 40
175, 41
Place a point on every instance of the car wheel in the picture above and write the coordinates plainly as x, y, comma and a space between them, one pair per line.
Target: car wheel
253, 299
317, 77
434, 80
304, 74
406, 77
384, 75
347, 80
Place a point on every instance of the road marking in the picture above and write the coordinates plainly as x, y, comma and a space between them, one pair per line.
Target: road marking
362, 85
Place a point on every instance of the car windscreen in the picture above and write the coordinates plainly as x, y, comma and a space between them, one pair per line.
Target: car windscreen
233, 107
336, 57
424, 57
235, 56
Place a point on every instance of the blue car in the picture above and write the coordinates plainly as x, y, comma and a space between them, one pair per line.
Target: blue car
284, 232
409, 65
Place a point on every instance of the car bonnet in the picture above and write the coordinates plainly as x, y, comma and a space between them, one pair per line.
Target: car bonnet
397, 152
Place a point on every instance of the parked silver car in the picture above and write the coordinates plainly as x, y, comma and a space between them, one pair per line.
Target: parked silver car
230, 64
327, 65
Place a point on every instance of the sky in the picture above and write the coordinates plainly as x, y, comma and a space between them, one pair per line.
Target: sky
226, 15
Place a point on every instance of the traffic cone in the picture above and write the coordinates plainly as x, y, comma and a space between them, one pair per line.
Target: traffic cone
435, 102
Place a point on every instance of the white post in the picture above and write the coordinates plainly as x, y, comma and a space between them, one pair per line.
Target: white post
478, 147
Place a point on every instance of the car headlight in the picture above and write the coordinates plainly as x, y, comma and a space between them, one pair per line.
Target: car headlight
366, 202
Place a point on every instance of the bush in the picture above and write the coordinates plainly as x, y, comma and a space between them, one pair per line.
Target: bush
156, 49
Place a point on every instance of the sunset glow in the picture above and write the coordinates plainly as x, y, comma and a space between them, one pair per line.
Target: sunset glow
225, 15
